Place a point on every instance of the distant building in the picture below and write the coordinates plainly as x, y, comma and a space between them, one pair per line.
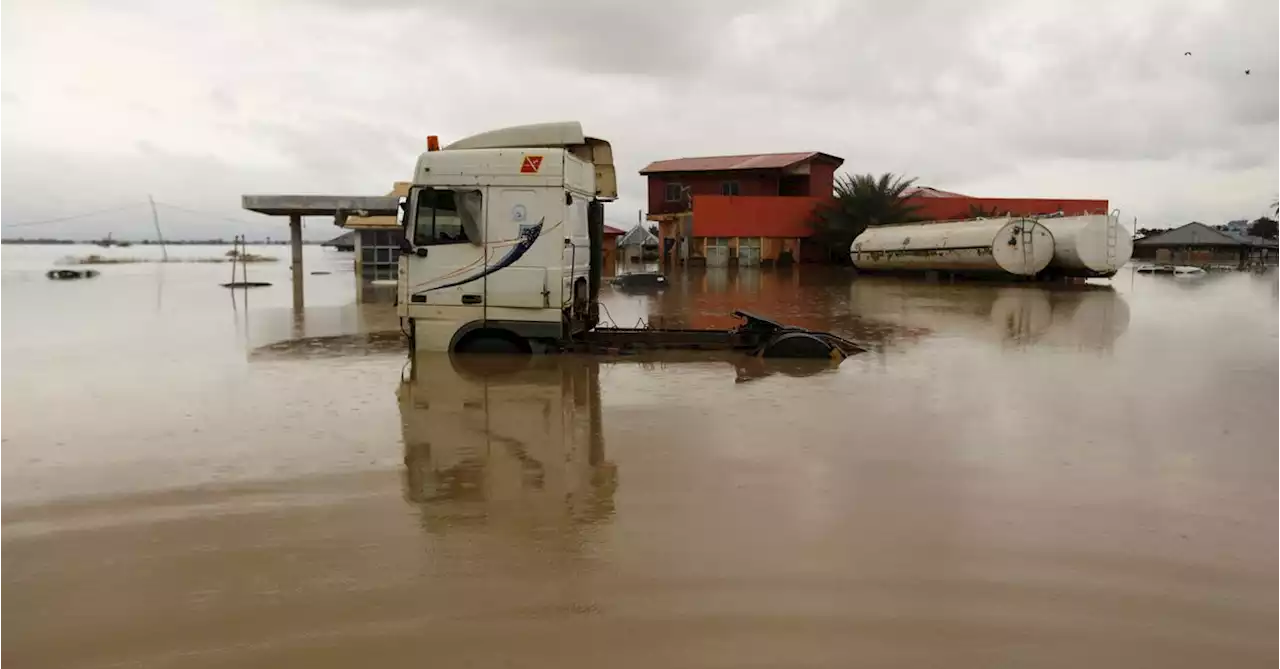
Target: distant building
1200, 245
758, 208
939, 205
637, 244
343, 242
1239, 227
377, 241
610, 250
745, 210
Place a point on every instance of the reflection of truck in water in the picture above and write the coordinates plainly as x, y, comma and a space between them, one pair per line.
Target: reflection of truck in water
502, 253
520, 439
502, 438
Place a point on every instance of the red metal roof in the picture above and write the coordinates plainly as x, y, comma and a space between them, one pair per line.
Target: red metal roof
928, 191
610, 230
755, 161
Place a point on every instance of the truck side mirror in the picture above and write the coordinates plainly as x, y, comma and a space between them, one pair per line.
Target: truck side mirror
405, 245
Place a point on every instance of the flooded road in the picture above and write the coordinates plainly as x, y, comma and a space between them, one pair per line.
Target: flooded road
1010, 476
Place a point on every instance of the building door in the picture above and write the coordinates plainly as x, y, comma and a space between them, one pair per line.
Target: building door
748, 252
717, 252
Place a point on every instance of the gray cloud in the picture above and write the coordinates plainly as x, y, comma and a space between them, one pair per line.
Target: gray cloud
658, 38
204, 102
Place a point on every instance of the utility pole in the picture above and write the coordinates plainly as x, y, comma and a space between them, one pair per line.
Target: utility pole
155, 218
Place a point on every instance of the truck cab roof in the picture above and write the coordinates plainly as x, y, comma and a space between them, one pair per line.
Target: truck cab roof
565, 135
562, 134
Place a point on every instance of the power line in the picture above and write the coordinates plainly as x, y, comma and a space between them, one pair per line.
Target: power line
73, 216
209, 214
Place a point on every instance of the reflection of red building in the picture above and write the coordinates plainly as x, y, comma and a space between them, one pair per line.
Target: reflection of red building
756, 209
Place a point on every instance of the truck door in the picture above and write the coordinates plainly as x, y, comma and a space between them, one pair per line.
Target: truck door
448, 261
524, 240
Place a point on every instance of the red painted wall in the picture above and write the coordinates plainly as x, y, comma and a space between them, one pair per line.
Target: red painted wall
822, 177
955, 208
722, 216
755, 182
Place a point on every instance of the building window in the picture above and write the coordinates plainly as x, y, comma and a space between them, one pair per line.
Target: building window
729, 188
718, 241
675, 192
379, 254
749, 242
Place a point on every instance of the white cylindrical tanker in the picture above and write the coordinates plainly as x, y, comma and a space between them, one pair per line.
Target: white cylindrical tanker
1088, 245
1006, 246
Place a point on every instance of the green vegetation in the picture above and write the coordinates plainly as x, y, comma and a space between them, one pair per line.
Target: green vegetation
861, 200
1263, 227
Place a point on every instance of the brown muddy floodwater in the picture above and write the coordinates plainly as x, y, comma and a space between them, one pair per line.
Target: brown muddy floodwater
1010, 476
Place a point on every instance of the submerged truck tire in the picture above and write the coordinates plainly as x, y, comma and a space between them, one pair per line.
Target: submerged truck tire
492, 342
799, 344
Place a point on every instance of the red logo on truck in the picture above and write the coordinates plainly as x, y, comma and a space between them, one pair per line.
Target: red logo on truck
531, 164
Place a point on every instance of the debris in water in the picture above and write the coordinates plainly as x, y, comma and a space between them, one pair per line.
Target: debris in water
64, 274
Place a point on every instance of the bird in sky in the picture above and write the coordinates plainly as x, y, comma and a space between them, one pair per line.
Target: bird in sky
1246, 72
1187, 53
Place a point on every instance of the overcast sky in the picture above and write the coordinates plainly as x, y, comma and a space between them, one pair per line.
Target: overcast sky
198, 103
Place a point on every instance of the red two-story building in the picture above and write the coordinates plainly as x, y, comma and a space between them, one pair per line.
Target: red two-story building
749, 210
757, 209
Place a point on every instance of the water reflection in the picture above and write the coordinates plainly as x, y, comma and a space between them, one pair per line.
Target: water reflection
505, 439
1081, 316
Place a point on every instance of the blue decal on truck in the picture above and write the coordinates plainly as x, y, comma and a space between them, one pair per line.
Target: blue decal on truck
528, 235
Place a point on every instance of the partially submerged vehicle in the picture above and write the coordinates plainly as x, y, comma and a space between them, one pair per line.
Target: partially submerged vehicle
503, 250
1004, 247
640, 281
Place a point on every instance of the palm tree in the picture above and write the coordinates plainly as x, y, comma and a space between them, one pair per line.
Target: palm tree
861, 200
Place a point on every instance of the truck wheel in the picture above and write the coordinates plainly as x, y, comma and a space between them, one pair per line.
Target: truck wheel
490, 343
798, 345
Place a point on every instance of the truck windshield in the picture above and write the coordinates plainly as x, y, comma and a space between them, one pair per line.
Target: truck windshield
448, 217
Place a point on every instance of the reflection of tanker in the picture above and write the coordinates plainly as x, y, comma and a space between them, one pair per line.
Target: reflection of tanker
1084, 316
505, 440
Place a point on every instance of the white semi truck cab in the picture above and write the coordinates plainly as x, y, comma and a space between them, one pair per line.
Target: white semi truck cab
502, 253
503, 237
